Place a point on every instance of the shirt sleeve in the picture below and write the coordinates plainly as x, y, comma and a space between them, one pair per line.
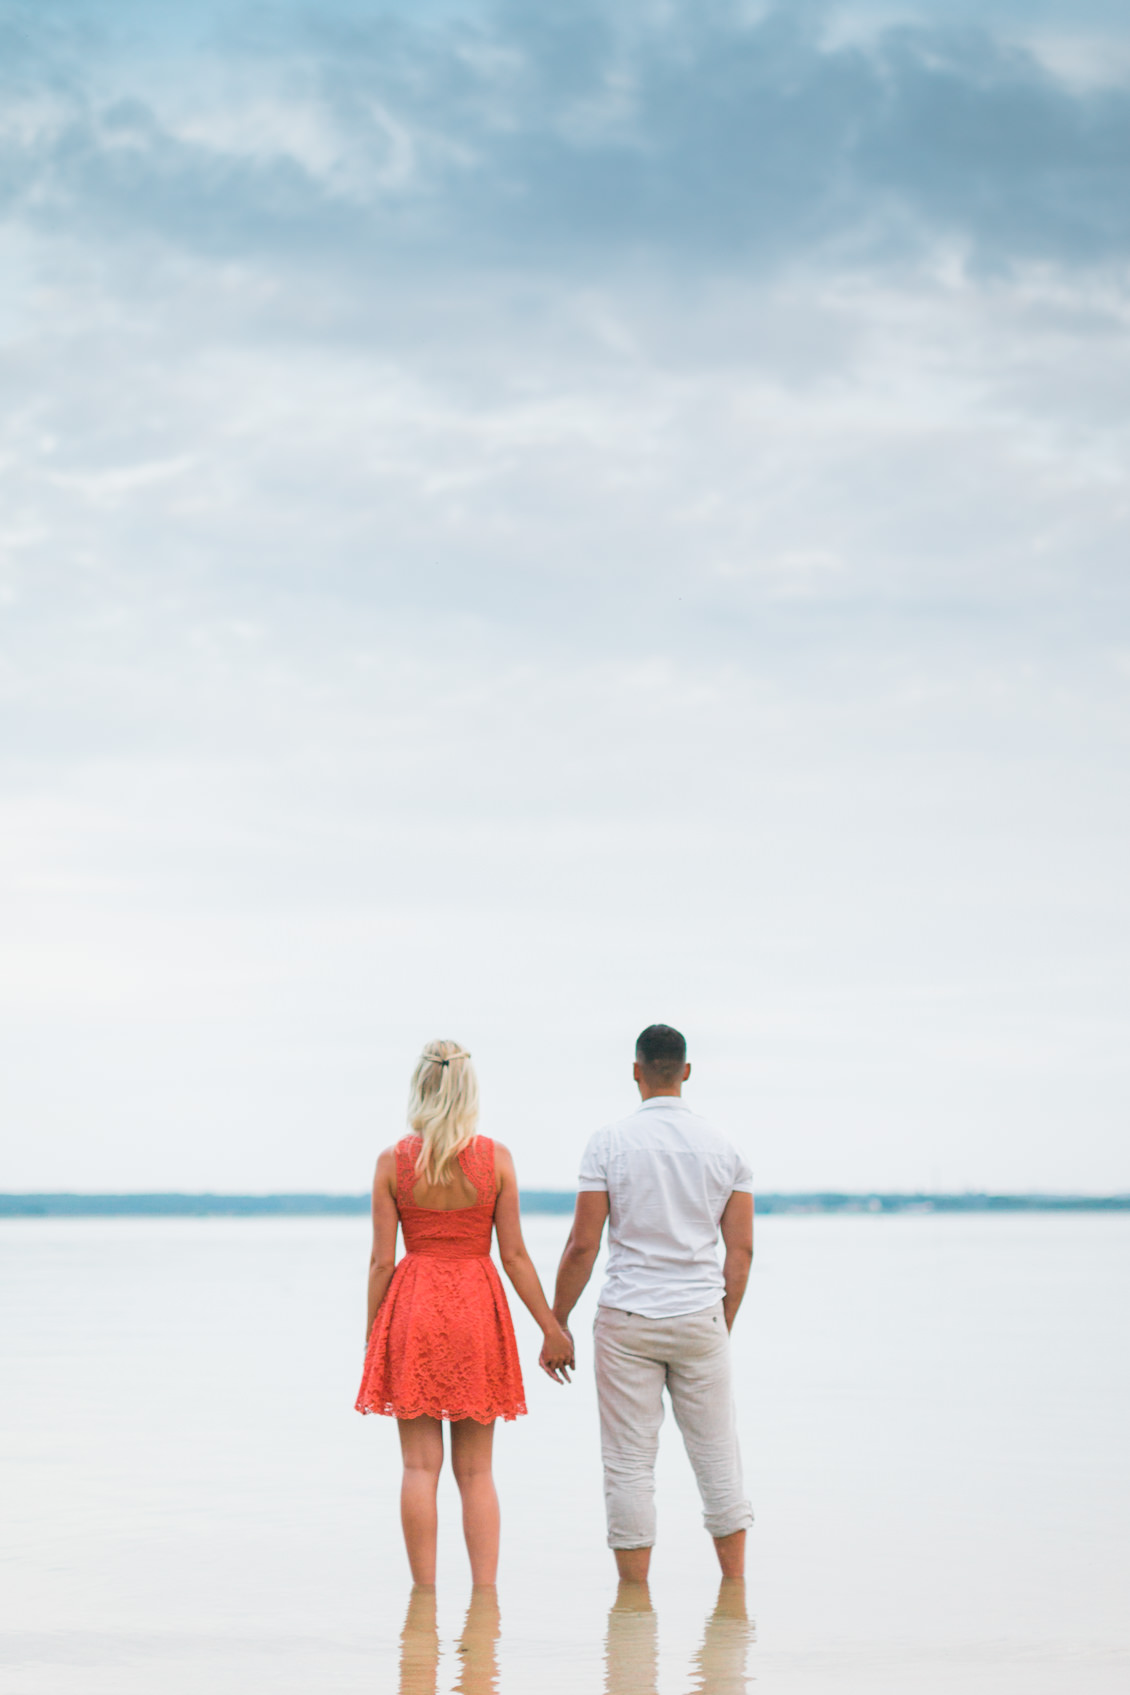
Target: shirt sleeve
743, 1176
594, 1165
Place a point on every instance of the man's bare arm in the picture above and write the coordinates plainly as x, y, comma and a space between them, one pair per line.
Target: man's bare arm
737, 1236
580, 1251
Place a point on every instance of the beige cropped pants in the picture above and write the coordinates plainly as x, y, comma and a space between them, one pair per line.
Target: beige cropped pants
636, 1358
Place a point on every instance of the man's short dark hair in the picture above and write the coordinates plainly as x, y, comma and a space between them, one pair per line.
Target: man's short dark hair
661, 1051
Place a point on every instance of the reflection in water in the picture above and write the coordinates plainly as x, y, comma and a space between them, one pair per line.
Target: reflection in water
720, 1664
631, 1649
478, 1674
419, 1644
632, 1644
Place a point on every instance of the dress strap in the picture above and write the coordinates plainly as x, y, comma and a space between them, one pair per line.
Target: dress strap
407, 1153
477, 1160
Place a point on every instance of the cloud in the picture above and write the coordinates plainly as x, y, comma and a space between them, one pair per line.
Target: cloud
566, 136
519, 519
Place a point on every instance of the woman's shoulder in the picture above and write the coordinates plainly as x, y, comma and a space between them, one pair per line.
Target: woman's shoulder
486, 1145
394, 1148
479, 1159
395, 1152
503, 1163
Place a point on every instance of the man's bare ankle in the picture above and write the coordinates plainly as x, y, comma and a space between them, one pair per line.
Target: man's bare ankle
731, 1553
633, 1564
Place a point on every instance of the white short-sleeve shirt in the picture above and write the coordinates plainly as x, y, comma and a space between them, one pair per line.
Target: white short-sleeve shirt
668, 1175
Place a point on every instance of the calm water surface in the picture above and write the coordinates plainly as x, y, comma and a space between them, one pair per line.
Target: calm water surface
933, 1411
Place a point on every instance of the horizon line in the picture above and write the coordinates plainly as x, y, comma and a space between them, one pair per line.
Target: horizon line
172, 1203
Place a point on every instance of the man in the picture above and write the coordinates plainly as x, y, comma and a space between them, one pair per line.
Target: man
668, 1183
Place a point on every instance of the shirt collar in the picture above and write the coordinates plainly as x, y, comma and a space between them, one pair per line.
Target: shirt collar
675, 1102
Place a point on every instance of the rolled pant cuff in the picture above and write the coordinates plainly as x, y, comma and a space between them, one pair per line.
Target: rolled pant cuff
727, 1524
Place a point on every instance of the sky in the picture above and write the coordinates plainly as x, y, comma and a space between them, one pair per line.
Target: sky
522, 521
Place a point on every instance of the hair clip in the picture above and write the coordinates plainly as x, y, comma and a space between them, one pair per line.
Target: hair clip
436, 1060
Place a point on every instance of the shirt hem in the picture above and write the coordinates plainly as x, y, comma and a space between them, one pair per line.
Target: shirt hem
683, 1312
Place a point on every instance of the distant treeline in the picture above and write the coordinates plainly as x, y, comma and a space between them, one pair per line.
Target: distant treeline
533, 1200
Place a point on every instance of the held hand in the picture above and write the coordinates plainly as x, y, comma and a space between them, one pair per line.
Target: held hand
557, 1355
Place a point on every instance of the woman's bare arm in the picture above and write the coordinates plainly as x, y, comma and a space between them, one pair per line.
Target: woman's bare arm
382, 1260
557, 1354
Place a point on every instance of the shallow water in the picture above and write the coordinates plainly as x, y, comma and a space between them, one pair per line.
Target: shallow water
933, 1413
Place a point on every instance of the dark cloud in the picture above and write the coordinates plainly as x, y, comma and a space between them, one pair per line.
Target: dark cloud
572, 137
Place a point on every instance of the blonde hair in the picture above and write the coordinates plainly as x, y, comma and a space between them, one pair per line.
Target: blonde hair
443, 1108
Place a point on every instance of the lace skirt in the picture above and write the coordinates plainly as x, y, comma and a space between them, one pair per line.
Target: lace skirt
443, 1344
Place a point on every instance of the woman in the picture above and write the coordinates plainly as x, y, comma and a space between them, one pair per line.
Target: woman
440, 1340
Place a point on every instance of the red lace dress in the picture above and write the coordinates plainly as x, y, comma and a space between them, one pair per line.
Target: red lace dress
443, 1342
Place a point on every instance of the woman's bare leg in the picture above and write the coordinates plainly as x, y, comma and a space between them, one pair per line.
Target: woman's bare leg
471, 1445
421, 1447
